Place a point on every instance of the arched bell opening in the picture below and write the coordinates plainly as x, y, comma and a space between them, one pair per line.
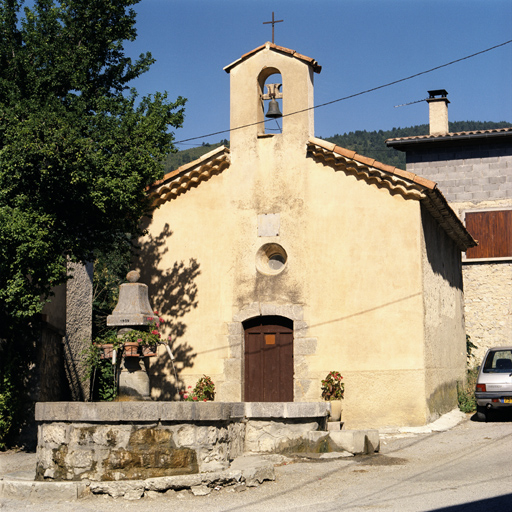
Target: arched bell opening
271, 100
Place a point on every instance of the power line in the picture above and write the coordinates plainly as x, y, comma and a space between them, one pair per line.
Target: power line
411, 103
353, 95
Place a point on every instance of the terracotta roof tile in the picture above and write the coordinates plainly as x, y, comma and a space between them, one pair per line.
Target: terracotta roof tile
410, 185
423, 181
352, 155
365, 160
387, 168
182, 178
344, 152
271, 46
405, 174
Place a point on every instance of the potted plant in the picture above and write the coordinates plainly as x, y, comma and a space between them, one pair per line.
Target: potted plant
151, 338
107, 344
333, 390
143, 342
204, 391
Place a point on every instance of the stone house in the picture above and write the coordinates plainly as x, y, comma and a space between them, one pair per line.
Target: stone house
474, 170
285, 257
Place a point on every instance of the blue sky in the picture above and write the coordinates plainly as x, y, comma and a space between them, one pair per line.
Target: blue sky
360, 44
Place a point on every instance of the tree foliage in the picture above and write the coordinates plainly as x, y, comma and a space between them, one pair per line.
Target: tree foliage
78, 147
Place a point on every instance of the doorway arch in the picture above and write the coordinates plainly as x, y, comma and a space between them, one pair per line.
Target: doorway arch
268, 359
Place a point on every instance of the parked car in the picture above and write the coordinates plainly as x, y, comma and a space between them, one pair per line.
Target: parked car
494, 382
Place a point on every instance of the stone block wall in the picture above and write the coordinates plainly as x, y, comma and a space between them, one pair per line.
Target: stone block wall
487, 291
476, 175
113, 441
111, 452
476, 172
488, 305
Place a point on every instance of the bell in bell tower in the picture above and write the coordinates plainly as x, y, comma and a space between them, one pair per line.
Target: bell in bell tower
271, 97
274, 92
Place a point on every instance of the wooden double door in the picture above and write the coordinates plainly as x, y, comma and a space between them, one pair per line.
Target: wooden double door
268, 359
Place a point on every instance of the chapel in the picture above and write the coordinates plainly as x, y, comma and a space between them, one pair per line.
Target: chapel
285, 256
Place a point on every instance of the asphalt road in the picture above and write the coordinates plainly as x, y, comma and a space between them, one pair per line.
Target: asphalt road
464, 469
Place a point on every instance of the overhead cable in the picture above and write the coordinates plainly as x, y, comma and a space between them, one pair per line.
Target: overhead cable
353, 95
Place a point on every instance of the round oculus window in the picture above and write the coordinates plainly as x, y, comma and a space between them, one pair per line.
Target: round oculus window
271, 259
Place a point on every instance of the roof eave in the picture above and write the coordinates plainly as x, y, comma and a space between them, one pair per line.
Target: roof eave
189, 175
402, 144
281, 49
408, 184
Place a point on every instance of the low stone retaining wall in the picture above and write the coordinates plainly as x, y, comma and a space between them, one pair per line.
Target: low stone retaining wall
244, 472
140, 440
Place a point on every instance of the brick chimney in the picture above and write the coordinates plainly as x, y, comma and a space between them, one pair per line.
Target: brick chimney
438, 111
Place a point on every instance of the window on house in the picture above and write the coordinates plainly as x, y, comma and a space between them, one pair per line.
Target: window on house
493, 231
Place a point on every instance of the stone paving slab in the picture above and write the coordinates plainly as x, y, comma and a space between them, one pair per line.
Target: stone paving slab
175, 411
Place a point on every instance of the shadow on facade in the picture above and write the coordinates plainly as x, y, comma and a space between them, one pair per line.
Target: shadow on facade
442, 254
173, 293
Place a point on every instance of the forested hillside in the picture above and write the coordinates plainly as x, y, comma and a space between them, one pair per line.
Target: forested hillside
175, 160
370, 144
373, 144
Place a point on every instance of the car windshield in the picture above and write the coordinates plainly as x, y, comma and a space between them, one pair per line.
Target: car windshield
498, 361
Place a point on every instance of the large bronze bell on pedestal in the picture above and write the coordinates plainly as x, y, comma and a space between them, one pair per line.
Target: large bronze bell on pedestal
273, 109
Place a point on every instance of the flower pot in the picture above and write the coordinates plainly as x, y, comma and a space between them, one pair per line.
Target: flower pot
149, 350
336, 409
131, 349
106, 351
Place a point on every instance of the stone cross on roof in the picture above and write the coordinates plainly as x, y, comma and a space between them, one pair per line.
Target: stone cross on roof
273, 23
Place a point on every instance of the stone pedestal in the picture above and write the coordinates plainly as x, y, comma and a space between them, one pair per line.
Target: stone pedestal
133, 310
133, 379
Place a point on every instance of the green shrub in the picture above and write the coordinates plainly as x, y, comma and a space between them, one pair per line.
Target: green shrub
466, 391
100, 373
13, 398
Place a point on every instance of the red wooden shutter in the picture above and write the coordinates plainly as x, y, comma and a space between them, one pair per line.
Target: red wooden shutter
493, 231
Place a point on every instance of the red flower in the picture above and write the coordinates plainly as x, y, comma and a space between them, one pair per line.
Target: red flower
194, 398
185, 396
150, 318
154, 331
156, 313
189, 387
205, 400
161, 320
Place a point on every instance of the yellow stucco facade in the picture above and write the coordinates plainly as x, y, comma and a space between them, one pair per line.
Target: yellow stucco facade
368, 269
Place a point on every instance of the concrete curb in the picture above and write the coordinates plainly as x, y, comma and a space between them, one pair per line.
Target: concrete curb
445, 422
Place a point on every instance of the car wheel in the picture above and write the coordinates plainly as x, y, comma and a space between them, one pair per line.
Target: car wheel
481, 413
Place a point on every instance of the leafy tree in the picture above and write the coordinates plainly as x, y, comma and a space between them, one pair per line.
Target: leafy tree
77, 146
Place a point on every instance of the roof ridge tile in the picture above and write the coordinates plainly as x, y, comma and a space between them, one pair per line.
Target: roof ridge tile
272, 46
